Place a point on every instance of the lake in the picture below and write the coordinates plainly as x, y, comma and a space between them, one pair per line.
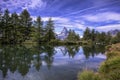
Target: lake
46, 62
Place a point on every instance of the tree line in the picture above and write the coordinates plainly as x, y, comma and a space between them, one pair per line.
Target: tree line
21, 28
16, 28
100, 37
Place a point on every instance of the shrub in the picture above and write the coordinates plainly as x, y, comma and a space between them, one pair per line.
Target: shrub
111, 68
108, 47
113, 54
88, 75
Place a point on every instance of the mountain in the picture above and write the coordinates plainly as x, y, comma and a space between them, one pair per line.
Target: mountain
114, 32
63, 34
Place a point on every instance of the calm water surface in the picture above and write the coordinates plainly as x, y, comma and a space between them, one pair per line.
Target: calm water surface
48, 62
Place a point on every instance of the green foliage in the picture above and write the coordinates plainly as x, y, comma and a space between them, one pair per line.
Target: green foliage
49, 35
108, 47
100, 37
39, 31
113, 54
26, 22
72, 36
110, 69
116, 39
88, 75
92, 50
16, 28
87, 34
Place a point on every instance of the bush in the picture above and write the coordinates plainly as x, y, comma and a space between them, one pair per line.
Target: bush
113, 54
88, 75
108, 47
111, 68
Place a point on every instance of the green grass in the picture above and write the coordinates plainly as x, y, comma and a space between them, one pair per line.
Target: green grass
109, 69
88, 75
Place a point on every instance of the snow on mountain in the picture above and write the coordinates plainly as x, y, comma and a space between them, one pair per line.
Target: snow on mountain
63, 34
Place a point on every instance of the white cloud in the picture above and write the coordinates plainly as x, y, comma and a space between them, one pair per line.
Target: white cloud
56, 19
61, 22
101, 17
108, 27
24, 4
35, 3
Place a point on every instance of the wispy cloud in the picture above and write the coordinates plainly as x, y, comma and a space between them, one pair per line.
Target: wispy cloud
61, 22
57, 19
101, 17
108, 27
23, 4
96, 6
36, 3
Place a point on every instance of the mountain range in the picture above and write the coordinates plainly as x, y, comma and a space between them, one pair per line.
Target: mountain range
114, 32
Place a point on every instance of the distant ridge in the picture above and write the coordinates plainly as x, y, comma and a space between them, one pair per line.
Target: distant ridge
114, 32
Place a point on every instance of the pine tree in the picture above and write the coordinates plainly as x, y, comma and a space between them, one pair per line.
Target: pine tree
87, 34
39, 24
50, 35
93, 35
72, 36
108, 38
15, 24
118, 37
25, 22
1, 25
5, 26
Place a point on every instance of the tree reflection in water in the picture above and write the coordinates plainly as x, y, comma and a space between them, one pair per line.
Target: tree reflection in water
93, 50
22, 58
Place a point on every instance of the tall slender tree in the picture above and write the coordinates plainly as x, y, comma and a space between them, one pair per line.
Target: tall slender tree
6, 21
93, 35
50, 35
15, 23
26, 22
39, 24
87, 34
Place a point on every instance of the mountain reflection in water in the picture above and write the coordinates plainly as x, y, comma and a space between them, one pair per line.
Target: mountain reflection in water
46, 62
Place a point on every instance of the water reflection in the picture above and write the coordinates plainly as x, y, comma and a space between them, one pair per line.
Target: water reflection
70, 50
22, 58
93, 50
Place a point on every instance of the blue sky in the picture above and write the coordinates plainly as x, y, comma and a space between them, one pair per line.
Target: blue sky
102, 15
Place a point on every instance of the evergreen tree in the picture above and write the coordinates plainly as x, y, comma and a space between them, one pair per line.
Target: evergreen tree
93, 35
1, 25
15, 24
108, 38
72, 36
25, 22
50, 35
87, 34
118, 37
39, 24
115, 39
5, 26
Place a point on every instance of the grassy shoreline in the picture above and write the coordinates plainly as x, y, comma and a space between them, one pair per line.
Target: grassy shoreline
109, 69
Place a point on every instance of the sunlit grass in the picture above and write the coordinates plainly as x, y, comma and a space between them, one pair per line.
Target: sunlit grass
109, 70
88, 75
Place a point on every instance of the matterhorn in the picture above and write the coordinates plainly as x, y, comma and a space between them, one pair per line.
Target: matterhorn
63, 35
